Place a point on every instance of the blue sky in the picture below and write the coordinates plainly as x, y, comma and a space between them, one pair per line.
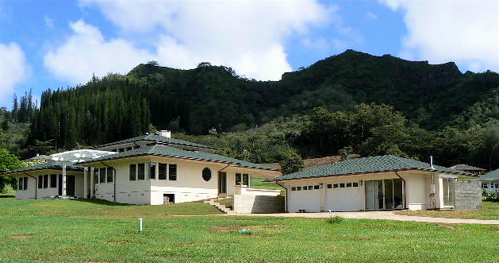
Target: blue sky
62, 43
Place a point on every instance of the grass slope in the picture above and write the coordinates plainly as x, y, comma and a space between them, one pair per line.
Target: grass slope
82, 231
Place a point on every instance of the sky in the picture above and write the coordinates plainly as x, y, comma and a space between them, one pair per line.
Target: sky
55, 44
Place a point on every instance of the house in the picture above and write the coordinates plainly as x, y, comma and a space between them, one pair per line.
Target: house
152, 169
468, 168
490, 181
379, 183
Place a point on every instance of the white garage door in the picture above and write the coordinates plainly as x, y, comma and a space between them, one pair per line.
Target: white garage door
342, 196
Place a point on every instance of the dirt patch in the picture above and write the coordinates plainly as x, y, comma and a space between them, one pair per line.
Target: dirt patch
451, 227
20, 236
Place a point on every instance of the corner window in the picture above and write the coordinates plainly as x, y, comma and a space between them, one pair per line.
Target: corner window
162, 171
110, 175
206, 174
40, 181
53, 180
20, 184
133, 172
46, 181
102, 175
242, 179
141, 173
172, 172
152, 170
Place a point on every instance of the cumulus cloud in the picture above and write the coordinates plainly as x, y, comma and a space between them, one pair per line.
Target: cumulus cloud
466, 32
13, 70
86, 52
248, 36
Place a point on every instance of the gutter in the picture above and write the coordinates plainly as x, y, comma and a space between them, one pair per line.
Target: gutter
404, 200
285, 197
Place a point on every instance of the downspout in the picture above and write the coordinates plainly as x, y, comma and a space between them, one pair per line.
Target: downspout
114, 180
404, 194
36, 184
285, 197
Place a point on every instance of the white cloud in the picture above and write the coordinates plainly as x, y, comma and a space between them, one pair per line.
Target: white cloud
248, 36
86, 53
466, 32
13, 70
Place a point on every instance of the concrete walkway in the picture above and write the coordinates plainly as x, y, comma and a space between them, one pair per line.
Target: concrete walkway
386, 215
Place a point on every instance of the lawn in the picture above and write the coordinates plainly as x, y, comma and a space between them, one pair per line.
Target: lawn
490, 210
84, 231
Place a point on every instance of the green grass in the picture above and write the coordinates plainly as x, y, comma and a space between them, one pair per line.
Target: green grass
83, 231
490, 210
259, 183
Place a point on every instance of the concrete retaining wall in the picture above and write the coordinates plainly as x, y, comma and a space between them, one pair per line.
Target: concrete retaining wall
468, 195
258, 204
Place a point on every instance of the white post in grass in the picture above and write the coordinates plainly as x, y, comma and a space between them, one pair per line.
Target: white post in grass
140, 225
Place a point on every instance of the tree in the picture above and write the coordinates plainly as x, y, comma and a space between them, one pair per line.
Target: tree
291, 162
8, 162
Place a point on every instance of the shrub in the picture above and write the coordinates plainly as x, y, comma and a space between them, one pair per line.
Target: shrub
334, 220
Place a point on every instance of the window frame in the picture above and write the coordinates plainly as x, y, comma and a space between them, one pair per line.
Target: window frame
132, 172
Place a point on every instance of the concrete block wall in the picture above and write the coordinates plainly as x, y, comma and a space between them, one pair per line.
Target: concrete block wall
468, 195
258, 204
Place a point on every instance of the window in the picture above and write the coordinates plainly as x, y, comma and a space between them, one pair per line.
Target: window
310, 187
53, 180
206, 174
152, 170
20, 184
96, 175
355, 184
172, 172
293, 188
316, 187
298, 188
46, 181
102, 175
25, 186
485, 185
342, 185
141, 171
242, 179
110, 175
40, 181
133, 172
497, 185
491, 185
335, 185
162, 171
329, 186
349, 184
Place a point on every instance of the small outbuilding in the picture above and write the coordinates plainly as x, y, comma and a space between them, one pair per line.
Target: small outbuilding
379, 183
490, 181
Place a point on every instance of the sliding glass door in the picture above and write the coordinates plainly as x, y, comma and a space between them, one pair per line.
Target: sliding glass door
384, 194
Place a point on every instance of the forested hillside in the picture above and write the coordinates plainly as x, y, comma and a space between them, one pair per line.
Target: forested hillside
351, 102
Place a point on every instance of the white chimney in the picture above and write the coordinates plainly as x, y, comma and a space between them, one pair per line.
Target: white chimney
165, 133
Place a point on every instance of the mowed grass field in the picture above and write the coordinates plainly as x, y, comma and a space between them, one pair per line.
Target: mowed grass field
84, 231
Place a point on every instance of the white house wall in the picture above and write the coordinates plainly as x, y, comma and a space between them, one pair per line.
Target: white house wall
33, 192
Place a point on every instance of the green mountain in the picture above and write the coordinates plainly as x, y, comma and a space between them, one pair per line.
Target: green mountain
197, 100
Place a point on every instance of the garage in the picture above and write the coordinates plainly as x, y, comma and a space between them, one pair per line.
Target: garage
342, 196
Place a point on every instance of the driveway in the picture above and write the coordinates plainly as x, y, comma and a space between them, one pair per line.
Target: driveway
386, 215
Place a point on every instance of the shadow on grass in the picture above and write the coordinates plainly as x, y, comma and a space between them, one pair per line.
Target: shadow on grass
101, 202
7, 196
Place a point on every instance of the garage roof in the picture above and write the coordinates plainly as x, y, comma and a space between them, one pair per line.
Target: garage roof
385, 163
494, 175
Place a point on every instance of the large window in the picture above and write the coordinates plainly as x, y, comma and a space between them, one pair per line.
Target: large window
22, 183
242, 179
53, 180
133, 172
40, 181
141, 173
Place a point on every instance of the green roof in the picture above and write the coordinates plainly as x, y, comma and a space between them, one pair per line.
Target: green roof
156, 139
167, 151
385, 163
45, 166
494, 175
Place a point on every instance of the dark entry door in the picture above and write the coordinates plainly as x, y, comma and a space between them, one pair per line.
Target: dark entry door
70, 185
222, 182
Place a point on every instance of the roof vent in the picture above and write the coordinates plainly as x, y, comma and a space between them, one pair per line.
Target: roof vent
165, 133
431, 163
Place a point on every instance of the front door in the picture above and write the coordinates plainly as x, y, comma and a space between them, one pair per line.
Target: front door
70, 185
222, 182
